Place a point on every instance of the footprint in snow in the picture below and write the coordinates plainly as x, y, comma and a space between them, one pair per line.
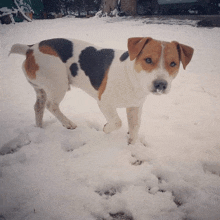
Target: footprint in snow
136, 162
2, 217
121, 216
117, 216
213, 168
143, 141
69, 146
177, 199
15, 144
107, 192
94, 125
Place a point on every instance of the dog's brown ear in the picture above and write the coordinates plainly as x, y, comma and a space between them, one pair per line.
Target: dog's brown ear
185, 53
135, 45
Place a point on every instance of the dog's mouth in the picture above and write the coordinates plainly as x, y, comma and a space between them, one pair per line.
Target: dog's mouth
158, 92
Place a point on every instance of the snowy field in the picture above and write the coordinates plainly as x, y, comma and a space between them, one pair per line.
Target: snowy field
172, 173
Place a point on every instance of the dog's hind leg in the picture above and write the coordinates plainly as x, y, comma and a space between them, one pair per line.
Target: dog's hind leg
53, 78
54, 96
52, 104
40, 106
55, 110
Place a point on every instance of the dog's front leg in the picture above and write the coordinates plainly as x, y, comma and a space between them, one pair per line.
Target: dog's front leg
111, 115
134, 121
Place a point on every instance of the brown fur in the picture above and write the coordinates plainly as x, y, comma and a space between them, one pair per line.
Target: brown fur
135, 45
151, 50
171, 55
103, 85
48, 50
142, 48
185, 53
30, 65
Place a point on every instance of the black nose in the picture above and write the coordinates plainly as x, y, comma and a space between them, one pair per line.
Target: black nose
160, 84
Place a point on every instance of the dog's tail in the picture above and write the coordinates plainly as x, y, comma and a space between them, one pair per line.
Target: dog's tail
19, 49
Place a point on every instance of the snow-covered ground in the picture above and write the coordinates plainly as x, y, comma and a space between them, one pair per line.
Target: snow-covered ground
172, 173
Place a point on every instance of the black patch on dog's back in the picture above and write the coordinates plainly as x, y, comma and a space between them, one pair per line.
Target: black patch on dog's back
74, 69
95, 63
63, 47
124, 56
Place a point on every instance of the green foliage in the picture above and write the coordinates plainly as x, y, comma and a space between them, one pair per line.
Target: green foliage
35, 6
7, 3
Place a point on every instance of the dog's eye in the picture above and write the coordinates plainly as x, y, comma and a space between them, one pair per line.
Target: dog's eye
148, 60
172, 64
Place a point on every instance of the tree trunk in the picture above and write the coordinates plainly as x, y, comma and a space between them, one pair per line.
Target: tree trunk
129, 7
109, 6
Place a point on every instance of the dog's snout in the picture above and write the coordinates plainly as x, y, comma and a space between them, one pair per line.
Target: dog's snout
160, 85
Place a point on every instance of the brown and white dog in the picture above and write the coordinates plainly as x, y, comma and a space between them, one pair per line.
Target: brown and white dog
114, 78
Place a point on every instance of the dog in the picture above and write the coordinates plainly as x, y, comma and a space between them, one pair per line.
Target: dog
115, 78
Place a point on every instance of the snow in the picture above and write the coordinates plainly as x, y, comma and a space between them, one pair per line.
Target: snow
171, 173
5, 11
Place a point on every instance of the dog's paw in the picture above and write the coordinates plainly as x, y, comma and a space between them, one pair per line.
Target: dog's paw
109, 127
132, 136
69, 125
131, 141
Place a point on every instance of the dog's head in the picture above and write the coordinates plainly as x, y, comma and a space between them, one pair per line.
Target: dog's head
158, 62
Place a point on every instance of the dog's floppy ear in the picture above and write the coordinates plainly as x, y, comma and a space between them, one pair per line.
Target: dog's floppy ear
135, 45
185, 53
